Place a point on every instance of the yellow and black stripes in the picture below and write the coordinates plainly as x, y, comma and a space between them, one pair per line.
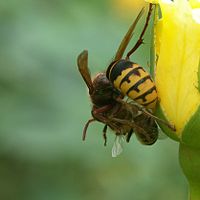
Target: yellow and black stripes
132, 80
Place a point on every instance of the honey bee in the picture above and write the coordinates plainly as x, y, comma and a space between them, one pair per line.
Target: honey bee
110, 108
130, 78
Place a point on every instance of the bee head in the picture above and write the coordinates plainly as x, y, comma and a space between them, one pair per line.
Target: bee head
104, 93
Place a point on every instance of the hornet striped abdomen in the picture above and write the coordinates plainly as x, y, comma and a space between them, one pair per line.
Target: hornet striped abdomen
132, 80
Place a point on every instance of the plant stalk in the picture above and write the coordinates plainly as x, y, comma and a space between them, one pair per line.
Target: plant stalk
190, 162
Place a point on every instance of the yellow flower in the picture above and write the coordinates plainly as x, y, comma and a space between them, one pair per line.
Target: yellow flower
177, 74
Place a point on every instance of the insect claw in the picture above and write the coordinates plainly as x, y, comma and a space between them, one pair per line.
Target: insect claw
172, 127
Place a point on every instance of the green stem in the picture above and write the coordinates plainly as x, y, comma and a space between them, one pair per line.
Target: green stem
190, 163
194, 191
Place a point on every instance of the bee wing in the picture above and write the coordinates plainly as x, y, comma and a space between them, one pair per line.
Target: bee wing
82, 62
117, 146
127, 37
161, 134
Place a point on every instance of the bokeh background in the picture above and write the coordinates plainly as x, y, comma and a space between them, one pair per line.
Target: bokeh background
44, 106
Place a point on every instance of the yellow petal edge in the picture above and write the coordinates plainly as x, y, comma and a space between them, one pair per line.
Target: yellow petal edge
177, 45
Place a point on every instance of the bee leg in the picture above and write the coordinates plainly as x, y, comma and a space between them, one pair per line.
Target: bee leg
104, 134
172, 127
129, 135
149, 114
140, 40
86, 127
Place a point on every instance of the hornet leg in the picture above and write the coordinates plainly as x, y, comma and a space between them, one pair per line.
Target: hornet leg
140, 40
104, 134
86, 127
129, 135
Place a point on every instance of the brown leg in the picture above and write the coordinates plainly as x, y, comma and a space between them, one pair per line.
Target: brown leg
86, 127
104, 134
172, 127
140, 40
101, 109
97, 113
129, 135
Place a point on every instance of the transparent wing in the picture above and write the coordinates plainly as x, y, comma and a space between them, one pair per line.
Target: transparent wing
161, 134
117, 146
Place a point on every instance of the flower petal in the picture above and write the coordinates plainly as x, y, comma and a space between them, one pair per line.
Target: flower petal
178, 51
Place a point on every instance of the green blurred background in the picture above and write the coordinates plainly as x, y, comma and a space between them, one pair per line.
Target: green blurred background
44, 106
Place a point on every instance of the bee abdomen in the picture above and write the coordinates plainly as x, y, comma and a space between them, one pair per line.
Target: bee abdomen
132, 80
146, 130
146, 138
